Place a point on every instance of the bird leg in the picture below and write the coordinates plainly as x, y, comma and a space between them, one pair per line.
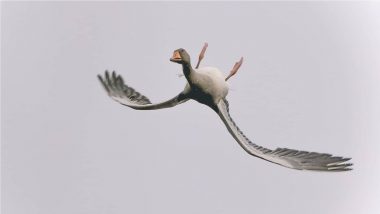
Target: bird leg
235, 68
202, 54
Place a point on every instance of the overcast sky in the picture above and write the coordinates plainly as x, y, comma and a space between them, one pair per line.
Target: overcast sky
310, 81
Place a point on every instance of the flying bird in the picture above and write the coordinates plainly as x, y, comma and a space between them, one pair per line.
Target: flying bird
208, 86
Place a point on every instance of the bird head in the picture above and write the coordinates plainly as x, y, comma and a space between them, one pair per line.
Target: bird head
180, 56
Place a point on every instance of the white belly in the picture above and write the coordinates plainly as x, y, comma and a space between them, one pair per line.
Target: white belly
212, 81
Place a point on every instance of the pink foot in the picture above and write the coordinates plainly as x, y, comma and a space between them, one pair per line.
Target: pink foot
202, 54
235, 68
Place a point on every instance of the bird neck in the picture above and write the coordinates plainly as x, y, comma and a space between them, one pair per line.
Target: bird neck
187, 71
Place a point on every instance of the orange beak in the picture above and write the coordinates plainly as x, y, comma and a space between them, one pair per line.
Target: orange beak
176, 57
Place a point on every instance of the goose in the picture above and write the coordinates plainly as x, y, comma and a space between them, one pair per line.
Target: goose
208, 86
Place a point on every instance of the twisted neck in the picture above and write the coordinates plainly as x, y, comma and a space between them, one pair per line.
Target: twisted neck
187, 70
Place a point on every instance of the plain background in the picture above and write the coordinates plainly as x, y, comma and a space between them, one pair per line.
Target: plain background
310, 81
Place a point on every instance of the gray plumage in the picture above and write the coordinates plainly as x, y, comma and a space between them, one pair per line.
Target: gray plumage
208, 86
286, 157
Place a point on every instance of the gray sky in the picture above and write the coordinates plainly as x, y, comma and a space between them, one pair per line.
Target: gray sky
310, 81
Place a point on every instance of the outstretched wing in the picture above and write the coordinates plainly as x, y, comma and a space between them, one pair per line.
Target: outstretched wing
122, 93
286, 157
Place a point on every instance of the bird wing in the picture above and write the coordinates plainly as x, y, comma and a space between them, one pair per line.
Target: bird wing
126, 95
285, 157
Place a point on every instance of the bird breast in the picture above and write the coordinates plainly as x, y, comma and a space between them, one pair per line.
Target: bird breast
211, 81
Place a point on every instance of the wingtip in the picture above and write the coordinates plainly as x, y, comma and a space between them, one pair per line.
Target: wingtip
100, 78
341, 165
341, 169
104, 80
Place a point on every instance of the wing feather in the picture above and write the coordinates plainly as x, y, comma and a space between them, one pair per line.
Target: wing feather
290, 158
128, 96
